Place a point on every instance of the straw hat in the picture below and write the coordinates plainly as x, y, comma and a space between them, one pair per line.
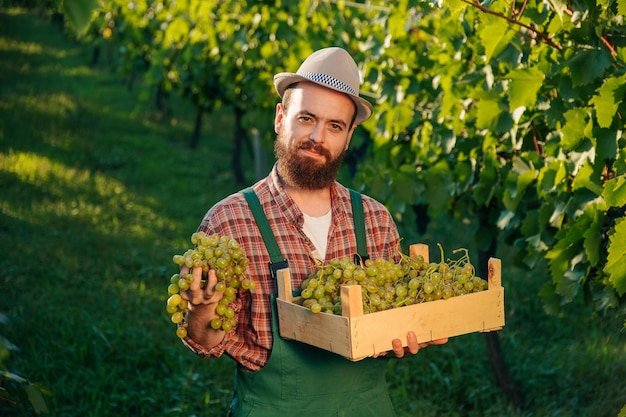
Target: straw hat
332, 68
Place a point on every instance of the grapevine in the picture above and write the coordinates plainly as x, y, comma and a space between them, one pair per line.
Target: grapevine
389, 284
227, 258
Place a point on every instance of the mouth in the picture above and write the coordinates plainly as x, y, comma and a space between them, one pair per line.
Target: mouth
313, 151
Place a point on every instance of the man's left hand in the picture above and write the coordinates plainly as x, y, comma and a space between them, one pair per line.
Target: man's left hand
413, 346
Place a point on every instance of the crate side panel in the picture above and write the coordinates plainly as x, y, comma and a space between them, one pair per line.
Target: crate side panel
323, 330
477, 312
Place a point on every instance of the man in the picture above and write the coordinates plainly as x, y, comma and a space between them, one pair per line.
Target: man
311, 218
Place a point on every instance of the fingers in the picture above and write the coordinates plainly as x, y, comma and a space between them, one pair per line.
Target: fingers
196, 293
413, 346
209, 292
194, 286
397, 347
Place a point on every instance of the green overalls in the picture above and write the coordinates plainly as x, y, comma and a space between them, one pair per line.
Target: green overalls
305, 381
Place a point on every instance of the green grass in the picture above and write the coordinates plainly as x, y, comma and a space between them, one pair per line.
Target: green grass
97, 193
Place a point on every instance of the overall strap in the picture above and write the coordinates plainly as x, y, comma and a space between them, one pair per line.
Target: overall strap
276, 258
359, 226
277, 261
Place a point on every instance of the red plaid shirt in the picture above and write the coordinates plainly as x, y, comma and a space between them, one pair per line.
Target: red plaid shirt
250, 342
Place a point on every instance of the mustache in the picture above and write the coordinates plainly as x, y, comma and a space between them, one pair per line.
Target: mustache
315, 147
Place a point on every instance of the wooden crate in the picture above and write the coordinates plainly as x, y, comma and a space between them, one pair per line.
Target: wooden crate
356, 336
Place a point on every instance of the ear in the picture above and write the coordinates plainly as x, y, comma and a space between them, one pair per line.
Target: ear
278, 119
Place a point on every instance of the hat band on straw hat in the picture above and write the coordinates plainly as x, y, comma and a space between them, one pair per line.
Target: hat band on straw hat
330, 81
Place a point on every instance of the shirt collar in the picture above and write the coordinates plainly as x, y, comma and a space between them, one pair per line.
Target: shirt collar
339, 196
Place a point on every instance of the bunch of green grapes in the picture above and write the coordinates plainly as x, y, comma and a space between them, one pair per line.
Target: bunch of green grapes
448, 278
320, 290
380, 282
227, 258
389, 284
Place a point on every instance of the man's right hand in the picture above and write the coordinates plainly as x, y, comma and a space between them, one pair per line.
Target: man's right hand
202, 302
197, 293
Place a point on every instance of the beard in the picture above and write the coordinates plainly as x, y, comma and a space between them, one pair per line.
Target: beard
303, 171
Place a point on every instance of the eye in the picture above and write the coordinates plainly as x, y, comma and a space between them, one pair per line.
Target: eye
336, 127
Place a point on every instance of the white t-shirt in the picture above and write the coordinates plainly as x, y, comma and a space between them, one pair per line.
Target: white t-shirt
316, 228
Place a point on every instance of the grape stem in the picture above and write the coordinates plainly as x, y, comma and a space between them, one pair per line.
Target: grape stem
443, 258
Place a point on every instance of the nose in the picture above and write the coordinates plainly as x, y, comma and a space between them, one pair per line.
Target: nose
317, 133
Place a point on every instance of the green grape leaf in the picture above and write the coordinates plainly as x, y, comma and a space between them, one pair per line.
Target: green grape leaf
488, 113
587, 178
79, 13
565, 258
558, 6
176, 31
616, 260
607, 143
593, 233
615, 191
608, 99
455, 6
398, 118
504, 219
487, 179
588, 65
546, 212
267, 50
530, 229
620, 161
605, 298
517, 182
524, 85
621, 10
550, 176
575, 124
396, 24
36, 398
495, 36
439, 185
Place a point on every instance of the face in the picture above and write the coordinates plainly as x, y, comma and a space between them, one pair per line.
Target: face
314, 127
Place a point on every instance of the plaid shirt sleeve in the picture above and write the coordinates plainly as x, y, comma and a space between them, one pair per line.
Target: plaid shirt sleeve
249, 343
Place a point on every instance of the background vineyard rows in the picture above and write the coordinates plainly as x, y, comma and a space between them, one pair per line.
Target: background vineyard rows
507, 116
